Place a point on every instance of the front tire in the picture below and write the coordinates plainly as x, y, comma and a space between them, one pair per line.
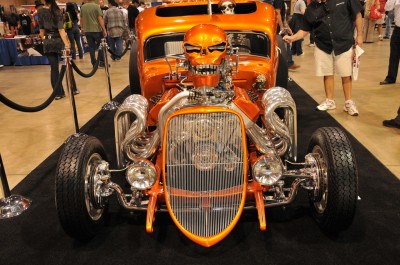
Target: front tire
80, 209
333, 207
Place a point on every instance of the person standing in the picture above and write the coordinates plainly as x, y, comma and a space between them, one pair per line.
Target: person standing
74, 33
394, 56
38, 6
283, 29
380, 21
51, 24
103, 7
369, 24
115, 24
92, 26
295, 23
133, 12
141, 7
333, 22
25, 22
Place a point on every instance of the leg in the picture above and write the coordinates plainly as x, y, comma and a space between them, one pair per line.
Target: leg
397, 119
78, 41
98, 37
329, 86
118, 48
92, 46
112, 43
394, 55
70, 35
290, 61
54, 73
380, 31
347, 87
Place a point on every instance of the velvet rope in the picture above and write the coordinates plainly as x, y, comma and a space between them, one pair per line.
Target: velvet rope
95, 67
18, 107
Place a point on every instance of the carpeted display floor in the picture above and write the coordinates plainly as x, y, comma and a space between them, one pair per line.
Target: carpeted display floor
36, 236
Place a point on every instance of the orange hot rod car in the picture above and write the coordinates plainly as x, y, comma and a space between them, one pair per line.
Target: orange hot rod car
211, 131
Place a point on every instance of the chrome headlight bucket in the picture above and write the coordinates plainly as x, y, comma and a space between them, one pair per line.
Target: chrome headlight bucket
267, 170
141, 175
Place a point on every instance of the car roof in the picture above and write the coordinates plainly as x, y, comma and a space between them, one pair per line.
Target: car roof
180, 17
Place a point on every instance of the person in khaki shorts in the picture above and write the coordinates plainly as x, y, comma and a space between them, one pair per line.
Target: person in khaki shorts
332, 22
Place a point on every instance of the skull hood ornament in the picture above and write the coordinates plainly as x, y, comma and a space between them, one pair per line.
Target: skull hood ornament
205, 48
227, 7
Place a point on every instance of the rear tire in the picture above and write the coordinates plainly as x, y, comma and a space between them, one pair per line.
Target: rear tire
282, 73
80, 210
335, 205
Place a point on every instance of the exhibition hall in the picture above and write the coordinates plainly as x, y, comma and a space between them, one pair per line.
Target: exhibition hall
195, 132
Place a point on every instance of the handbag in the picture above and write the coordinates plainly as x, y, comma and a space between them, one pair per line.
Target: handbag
374, 13
54, 44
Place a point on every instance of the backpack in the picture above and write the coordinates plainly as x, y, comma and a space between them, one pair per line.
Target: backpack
67, 21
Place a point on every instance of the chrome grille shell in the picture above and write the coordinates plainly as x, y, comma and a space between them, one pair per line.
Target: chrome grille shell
205, 171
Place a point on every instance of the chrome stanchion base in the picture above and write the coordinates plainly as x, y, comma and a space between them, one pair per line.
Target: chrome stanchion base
13, 205
111, 105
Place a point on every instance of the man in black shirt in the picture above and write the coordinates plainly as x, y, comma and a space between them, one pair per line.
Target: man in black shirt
133, 12
283, 28
333, 23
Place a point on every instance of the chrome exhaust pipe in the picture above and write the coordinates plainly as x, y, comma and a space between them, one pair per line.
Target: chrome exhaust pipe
125, 130
282, 131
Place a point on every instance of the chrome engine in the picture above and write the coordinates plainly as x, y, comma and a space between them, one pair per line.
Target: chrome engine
278, 136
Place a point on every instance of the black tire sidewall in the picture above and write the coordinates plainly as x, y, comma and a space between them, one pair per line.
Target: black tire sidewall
341, 202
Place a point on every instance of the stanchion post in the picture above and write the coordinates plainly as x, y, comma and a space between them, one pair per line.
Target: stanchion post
70, 82
11, 205
111, 105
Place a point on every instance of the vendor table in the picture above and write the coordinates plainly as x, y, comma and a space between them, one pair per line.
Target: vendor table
10, 54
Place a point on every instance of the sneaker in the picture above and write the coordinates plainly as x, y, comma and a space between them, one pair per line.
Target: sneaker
380, 37
391, 123
311, 45
350, 107
328, 104
386, 37
76, 92
293, 67
59, 97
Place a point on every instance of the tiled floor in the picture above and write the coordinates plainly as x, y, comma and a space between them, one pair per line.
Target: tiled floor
26, 139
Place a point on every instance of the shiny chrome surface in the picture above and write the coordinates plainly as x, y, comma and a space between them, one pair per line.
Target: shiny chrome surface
283, 132
93, 200
205, 171
131, 138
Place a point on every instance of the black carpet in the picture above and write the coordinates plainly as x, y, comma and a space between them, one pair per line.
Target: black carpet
36, 236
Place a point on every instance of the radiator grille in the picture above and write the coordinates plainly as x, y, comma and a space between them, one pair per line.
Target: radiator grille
204, 170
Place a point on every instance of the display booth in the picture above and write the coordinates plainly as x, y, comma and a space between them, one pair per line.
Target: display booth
24, 50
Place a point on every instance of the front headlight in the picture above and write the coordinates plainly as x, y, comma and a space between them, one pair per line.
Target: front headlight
141, 175
267, 170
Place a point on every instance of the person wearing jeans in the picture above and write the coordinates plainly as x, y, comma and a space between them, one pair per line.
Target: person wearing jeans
92, 25
116, 24
74, 33
388, 21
